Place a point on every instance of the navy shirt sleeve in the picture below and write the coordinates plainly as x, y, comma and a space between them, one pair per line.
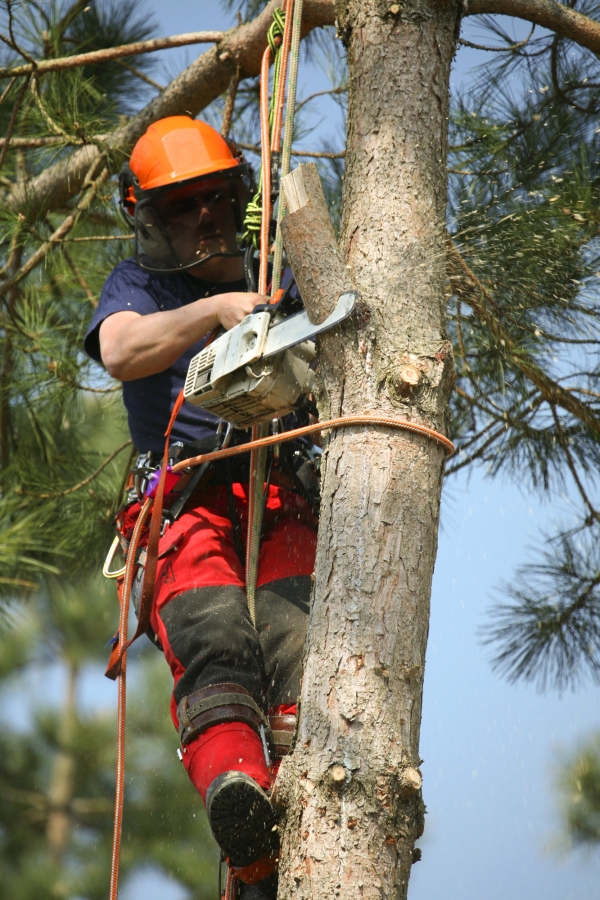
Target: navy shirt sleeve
127, 288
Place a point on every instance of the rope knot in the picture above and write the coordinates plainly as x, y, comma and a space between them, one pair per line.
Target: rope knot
275, 32
253, 219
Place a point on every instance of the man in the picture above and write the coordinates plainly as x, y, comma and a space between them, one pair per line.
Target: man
185, 191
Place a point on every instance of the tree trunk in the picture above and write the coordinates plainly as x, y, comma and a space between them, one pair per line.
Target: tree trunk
60, 790
351, 789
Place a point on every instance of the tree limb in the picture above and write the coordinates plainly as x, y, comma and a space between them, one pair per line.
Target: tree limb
550, 390
63, 229
100, 56
81, 484
547, 13
206, 79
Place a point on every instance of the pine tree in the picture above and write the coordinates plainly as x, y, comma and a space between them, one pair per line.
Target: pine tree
578, 783
510, 270
57, 770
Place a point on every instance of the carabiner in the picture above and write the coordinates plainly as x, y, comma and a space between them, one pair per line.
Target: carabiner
109, 558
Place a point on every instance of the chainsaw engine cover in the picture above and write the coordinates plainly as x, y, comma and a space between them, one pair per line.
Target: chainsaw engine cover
230, 379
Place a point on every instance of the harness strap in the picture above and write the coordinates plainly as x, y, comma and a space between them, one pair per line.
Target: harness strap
216, 705
282, 733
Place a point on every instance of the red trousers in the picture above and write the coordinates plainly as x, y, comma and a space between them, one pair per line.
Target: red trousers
200, 613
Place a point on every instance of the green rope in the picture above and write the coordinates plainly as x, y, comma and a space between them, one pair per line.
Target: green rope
253, 219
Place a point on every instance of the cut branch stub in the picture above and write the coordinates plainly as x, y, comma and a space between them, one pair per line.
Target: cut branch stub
337, 776
410, 782
311, 245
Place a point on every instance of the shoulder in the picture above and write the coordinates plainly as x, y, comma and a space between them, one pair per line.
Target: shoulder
127, 274
127, 288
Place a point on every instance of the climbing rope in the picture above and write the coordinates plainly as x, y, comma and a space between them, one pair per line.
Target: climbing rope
340, 422
270, 123
279, 38
124, 595
288, 133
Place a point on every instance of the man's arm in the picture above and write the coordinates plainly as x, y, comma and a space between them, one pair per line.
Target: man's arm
133, 346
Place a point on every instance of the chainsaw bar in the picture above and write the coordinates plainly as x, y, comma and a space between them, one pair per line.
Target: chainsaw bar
298, 328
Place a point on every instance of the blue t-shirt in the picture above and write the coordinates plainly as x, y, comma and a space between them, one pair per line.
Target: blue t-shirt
149, 400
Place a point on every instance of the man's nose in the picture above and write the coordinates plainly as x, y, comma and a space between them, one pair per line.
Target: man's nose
204, 213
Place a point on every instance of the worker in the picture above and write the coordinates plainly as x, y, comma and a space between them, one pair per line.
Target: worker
185, 190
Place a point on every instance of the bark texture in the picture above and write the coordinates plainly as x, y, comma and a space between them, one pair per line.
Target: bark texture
351, 790
310, 243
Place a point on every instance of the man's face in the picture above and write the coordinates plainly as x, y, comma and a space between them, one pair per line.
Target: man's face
200, 220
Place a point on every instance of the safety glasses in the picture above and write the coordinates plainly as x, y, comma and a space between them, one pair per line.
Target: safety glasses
171, 222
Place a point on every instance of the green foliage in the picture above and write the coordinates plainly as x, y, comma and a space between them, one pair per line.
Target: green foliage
524, 319
578, 782
550, 632
61, 419
57, 769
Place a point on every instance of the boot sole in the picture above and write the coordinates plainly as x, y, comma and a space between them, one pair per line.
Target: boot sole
241, 818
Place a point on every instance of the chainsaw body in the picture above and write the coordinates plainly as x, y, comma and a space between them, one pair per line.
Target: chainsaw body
259, 369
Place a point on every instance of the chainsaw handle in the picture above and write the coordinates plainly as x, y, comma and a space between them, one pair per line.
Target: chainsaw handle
272, 307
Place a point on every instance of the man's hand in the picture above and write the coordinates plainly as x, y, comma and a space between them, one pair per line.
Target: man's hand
134, 346
231, 308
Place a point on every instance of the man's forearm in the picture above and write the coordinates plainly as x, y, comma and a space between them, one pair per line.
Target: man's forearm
137, 346
134, 346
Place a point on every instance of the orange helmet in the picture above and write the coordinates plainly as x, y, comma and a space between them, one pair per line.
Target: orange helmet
179, 167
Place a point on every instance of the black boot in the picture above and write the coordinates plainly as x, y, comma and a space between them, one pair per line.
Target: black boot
241, 818
263, 890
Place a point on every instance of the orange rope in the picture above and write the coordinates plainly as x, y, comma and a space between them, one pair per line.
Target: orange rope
288, 8
343, 421
118, 660
124, 595
265, 140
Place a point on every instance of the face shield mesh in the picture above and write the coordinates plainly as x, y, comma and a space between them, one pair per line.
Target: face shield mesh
180, 227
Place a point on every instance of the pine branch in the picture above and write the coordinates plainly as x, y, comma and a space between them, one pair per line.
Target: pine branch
550, 632
197, 86
85, 481
230, 102
552, 392
141, 75
64, 228
312, 154
547, 13
508, 48
578, 782
12, 123
80, 279
41, 66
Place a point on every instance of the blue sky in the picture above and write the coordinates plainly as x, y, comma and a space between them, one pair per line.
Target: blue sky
489, 748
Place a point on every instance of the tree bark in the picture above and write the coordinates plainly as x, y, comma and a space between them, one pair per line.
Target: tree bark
310, 243
351, 789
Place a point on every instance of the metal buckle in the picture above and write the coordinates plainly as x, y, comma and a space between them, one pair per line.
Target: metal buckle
109, 558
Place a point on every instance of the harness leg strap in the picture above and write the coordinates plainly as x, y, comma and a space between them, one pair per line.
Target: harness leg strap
215, 705
282, 733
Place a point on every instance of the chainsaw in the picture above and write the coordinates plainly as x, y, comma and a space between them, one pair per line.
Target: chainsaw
259, 369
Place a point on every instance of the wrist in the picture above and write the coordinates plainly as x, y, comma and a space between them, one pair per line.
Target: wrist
209, 312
